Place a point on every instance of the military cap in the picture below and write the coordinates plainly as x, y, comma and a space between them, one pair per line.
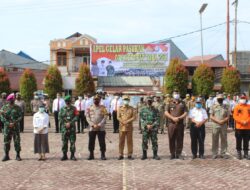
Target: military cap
125, 97
96, 97
149, 98
67, 98
198, 100
176, 90
220, 96
167, 95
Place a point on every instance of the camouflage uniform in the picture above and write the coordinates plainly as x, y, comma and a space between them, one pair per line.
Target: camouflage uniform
160, 107
68, 114
149, 116
11, 114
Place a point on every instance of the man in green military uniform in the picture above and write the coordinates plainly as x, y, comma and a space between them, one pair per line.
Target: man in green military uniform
10, 115
68, 115
219, 114
159, 105
149, 117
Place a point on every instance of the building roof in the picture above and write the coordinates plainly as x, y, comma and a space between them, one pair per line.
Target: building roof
175, 51
12, 60
124, 81
217, 57
25, 55
211, 63
14, 77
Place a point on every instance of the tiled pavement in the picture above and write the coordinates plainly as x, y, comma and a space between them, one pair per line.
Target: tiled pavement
113, 174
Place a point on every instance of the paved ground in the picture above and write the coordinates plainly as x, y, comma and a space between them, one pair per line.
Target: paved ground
114, 174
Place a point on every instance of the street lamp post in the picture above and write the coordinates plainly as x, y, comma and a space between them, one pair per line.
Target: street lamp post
203, 7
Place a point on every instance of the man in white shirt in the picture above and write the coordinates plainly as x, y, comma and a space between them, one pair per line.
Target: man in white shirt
58, 104
198, 117
115, 104
79, 104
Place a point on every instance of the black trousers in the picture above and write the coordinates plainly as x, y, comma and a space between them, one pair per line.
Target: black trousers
81, 121
197, 139
115, 121
56, 121
22, 124
231, 122
242, 135
101, 138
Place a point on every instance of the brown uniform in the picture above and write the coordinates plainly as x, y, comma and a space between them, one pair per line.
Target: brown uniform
126, 114
176, 130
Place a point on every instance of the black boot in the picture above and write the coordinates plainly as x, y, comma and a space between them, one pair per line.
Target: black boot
6, 156
103, 157
246, 155
91, 156
156, 157
72, 157
144, 156
18, 158
65, 157
239, 156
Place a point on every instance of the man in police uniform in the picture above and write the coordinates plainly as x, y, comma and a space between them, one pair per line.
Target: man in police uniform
159, 105
150, 123
219, 114
176, 111
68, 115
10, 115
96, 116
126, 116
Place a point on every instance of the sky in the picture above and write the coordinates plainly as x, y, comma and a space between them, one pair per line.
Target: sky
29, 25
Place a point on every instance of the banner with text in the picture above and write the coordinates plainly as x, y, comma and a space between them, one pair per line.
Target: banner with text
129, 59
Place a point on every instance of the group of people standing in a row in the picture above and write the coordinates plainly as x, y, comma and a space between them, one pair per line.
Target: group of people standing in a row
93, 112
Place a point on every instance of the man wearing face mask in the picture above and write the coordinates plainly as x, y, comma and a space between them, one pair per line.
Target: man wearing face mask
35, 104
219, 114
21, 104
176, 112
115, 104
198, 117
96, 117
68, 115
242, 129
79, 104
10, 115
150, 119
126, 116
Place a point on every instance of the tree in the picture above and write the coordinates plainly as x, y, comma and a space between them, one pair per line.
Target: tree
84, 82
4, 81
203, 80
53, 81
176, 77
230, 80
28, 86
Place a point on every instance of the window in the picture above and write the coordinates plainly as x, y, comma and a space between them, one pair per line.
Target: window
61, 59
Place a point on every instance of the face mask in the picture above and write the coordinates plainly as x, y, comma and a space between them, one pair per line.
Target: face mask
210, 98
220, 101
125, 102
176, 96
41, 110
198, 105
36, 97
242, 101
